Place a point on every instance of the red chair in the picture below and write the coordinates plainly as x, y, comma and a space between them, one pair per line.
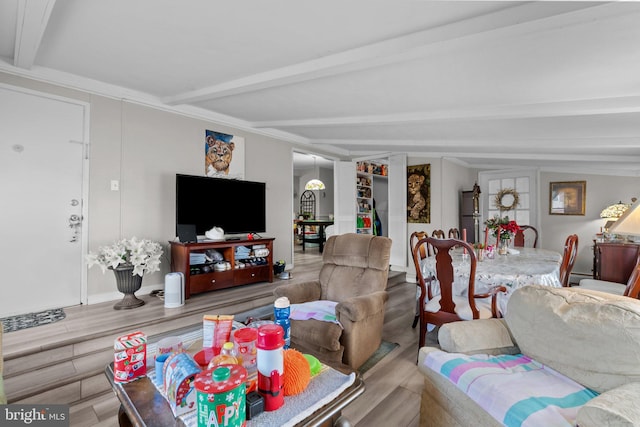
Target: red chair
527, 236
448, 305
568, 259
425, 251
438, 233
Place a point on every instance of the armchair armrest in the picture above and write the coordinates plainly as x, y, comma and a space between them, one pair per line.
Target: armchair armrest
618, 406
488, 336
299, 293
359, 308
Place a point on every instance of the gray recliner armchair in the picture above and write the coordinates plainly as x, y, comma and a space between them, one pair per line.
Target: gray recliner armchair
354, 274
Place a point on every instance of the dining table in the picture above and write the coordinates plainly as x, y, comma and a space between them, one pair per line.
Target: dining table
519, 267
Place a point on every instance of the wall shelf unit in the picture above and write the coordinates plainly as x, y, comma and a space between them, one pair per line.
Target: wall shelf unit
364, 200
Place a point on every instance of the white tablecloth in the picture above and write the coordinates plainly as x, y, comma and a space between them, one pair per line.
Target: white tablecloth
528, 267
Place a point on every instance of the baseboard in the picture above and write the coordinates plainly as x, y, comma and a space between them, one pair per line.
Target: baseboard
116, 296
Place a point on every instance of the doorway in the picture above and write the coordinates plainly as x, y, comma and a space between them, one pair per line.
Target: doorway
307, 166
43, 170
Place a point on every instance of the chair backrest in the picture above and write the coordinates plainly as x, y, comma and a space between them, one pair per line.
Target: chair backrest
438, 233
413, 240
354, 264
454, 233
420, 250
633, 284
527, 236
568, 258
445, 275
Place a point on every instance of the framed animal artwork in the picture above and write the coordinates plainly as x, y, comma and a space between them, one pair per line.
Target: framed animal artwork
419, 193
223, 155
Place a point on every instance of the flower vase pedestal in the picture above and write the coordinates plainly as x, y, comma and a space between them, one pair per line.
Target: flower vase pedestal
128, 284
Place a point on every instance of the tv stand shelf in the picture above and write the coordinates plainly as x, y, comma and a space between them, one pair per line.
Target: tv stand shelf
242, 271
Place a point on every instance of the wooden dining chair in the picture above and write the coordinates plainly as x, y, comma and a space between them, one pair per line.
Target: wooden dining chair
527, 236
454, 233
423, 252
449, 305
630, 289
568, 259
438, 234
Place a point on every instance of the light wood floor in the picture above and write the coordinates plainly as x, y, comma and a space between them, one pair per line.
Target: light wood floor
393, 386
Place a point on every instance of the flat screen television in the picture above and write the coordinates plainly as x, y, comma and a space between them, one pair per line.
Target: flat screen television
235, 206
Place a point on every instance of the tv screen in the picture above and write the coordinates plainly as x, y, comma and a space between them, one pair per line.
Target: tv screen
233, 205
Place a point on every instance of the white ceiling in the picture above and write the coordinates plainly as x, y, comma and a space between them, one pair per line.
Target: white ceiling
554, 85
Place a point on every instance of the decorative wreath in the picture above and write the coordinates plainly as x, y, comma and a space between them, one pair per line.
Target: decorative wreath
505, 192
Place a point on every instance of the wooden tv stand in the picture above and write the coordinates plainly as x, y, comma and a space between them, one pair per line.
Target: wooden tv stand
203, 277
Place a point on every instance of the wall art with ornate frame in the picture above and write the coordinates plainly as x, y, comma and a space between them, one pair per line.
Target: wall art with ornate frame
419, 193
567, 197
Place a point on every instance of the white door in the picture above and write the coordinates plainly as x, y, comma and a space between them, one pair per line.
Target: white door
524, 183
41, 194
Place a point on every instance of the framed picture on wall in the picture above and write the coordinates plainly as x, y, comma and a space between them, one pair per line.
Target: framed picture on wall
567, 198
223, 155
419, 194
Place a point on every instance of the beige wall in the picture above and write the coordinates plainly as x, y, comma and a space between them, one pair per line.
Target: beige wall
602, 191
448, 179
144, 148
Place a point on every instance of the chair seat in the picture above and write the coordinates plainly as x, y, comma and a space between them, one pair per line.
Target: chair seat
462, 307
603, 286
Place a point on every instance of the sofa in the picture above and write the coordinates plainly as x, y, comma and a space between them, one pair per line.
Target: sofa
587, 340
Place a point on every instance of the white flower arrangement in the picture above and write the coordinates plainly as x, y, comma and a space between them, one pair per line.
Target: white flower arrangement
141, 254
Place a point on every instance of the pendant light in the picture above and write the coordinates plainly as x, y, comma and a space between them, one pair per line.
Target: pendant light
314, 184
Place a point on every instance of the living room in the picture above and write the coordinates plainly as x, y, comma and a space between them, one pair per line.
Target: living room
140, 144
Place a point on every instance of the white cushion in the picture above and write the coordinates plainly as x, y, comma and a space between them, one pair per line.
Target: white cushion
463, 310
603, 286
618, 407
592, 337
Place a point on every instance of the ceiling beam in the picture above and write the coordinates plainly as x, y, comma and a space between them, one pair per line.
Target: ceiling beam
501, 24
31, 21
607, 143
582, 107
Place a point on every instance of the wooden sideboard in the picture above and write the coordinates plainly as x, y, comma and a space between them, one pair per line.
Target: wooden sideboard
614, 261
242, 270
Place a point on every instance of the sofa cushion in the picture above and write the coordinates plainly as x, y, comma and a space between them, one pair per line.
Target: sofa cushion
514, 389
589, 336
485, 336
618, 407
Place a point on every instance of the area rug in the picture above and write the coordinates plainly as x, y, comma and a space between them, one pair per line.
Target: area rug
24, 321
385, 348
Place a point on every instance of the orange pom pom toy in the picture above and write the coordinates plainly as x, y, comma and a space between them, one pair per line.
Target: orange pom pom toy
297, 372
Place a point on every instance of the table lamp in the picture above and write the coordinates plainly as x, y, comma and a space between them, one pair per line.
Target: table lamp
628, 223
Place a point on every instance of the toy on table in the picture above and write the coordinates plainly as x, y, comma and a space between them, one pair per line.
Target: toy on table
297, 372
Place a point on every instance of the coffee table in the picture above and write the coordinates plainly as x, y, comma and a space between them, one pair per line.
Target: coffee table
141, 404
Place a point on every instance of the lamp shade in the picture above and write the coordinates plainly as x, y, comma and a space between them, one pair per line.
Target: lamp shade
615, 210
314, 184
628, 223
